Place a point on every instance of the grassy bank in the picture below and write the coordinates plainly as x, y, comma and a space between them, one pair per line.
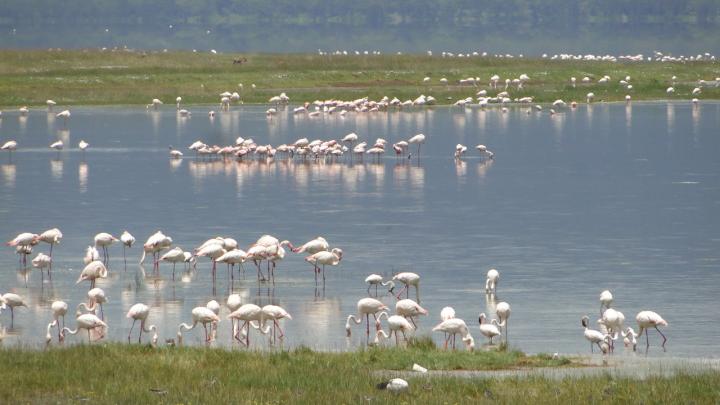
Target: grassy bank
93, 77
117, 373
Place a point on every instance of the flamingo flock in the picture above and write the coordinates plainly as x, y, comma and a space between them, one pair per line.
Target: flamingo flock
266, 319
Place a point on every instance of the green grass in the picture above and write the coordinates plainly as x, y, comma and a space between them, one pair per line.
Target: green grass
93, 77
116, 373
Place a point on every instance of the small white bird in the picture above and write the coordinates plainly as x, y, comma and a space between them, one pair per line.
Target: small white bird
396, 385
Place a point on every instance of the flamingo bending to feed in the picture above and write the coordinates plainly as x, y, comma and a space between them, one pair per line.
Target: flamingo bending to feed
174, 256
42, 262
502, 310
94, 270
59, 309
156, 243
493, 277
396, 323
23, 242
365, 307
630, 337
408, 308
9, 146
594, 336
51, 237
103, 240
331, 258
613, 321
375, 280
409, 279
316, 245
89, 322
11, 300
418, 139
452, 327
647, 320
274, 313
140, 312
127, 241
489, 330
231, 258
246, 313
203, 315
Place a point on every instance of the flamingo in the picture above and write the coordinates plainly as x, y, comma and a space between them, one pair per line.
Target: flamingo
178, 100
174, 153
59, 309
489, 330
9, 146
201, 315
51, 237
409, 279
50, 104
96, 296
374, 280
647, 320
493, 276
257, 253
127, 241
606, 298
103, 240
156, 103
452, 327
630, 337
246, 313
612, 320
23, 243
94, 270
12, 300
65, 114
140, 312
316, 245
41, 262
233, 257
396, 323
331, 258
155, 244
174, 256
274, 313
365, 307
502, 310
91, 254
82, 145
447, 313
396, 385
593, 336
418, 139
234, 302
89, 322
409, 309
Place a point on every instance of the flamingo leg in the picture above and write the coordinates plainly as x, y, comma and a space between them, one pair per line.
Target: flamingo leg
131, 328
453, 341
447, 340
173, 271
206, 335
142, 325
661, 334
282, 334
647, 338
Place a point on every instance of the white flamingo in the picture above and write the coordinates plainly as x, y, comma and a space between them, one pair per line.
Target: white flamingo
103, 240
316, 245
51, 237
246, 313
91, 254
331, 258
94, 270
140, 312
396, 323
201, 315
365, 308
452, 327
594, 336
489, 330
9, 146
502, 310
174, 256
59, 309
409, 309
89, 322
273, 313
127, 241
647, 320
375, 280
606, 298
12, 300
408, 279
42, 262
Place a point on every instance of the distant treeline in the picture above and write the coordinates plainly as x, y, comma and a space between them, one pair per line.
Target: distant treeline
412, 25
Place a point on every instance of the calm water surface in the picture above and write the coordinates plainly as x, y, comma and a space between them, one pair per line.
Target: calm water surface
613, 197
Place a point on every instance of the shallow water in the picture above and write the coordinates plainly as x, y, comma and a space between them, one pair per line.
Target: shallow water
612, 197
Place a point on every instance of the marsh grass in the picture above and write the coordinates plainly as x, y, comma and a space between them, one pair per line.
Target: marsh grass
116, 373
94, 77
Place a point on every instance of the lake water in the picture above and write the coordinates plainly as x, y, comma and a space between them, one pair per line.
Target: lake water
613, 197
